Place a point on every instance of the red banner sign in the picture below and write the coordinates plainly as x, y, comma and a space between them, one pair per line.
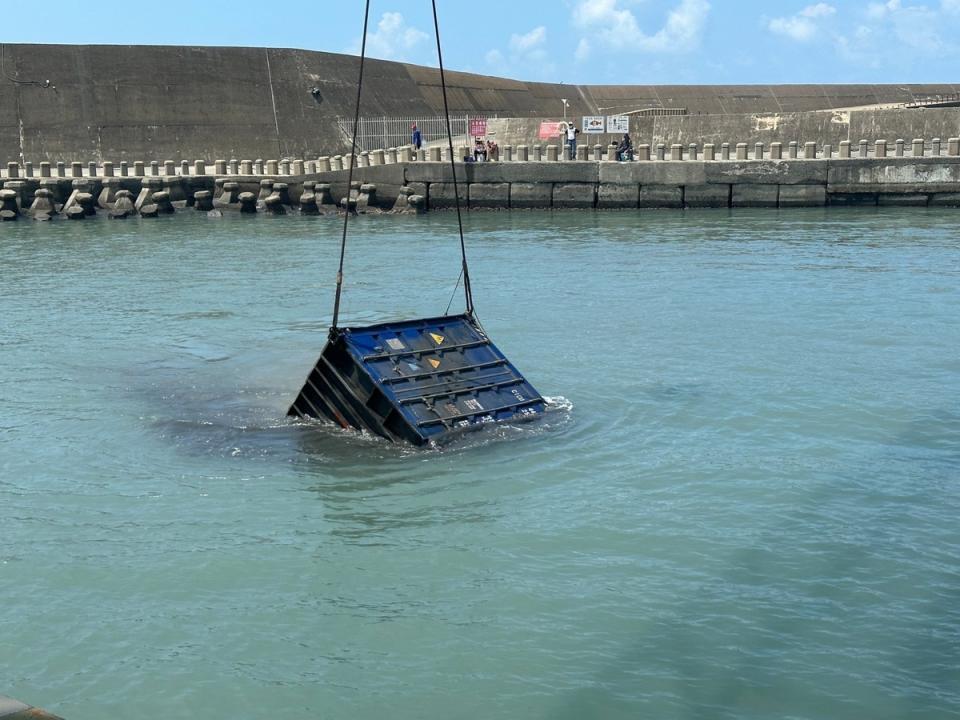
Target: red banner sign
551, 130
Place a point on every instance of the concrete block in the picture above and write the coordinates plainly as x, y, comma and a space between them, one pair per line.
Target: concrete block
203, 201
390, 156
615, 195
443, 195
792, 149
272, 167
706, 196
44, 169
139, 168
583, 153
754, 196
13, 170
661, 151
61, 169
488, 195
758, 151
661, 196
676, 152
219, 167
310, 169
610, 153
903, 199
725, 151
880, 149
643, 152
828, 151
296, 167
945, 199
246, 167
233, 167
258, 166
377, 157
810, 151
108, 169
416, 188
853, 198
741, 151
864, 149
154, 168
574, 195
124, 168
169, 167
76, 169
436, 154
323, 164
900, 143
553, 153
918, 147
803, 195
523, 153
91, 169
953, 147
935, 147
692, 151
709, 152
776, 151
184, 168
537, 153
597, 153
28, 169
531, 195
336, 164
844, 149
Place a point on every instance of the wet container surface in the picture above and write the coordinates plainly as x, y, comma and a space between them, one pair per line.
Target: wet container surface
416, 381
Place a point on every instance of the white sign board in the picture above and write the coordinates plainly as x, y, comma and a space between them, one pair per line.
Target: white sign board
618, 124
593, 124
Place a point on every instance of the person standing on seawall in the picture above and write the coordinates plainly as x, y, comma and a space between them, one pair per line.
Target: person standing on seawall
417, 137
572, 131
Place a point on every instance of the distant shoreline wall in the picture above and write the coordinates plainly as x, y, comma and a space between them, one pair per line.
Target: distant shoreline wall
825, 127
116, 103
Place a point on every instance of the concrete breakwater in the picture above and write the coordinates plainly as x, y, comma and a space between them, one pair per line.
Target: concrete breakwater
683, 178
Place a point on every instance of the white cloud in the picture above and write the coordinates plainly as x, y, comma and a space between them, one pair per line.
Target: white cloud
617, 26
583, 50
527, 51
531, 41
950, 7
804, 25
393, 38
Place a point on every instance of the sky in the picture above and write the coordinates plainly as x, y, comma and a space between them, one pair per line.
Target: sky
574, 41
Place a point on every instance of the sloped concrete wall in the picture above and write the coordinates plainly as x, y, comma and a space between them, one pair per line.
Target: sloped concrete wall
181, 103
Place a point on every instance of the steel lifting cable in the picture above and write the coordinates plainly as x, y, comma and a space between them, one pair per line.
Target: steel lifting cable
468, 292
464, 272
353, 155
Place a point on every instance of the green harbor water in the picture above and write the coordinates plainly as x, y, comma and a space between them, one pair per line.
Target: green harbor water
744, 503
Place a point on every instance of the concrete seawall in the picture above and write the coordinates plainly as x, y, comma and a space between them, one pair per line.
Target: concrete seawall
586, 185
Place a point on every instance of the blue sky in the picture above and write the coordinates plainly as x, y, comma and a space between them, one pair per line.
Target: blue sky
577, 41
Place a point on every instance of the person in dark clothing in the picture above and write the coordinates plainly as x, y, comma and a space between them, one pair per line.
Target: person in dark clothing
625, 148
417, 137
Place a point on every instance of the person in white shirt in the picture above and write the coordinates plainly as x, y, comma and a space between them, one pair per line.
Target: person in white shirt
571, 133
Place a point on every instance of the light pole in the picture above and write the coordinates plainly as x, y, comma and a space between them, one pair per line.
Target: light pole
565, 106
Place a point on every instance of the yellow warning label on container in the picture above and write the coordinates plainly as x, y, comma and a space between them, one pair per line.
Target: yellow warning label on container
438, 339
434, 362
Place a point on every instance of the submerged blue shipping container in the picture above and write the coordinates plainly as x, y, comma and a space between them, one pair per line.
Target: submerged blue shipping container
417, 381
